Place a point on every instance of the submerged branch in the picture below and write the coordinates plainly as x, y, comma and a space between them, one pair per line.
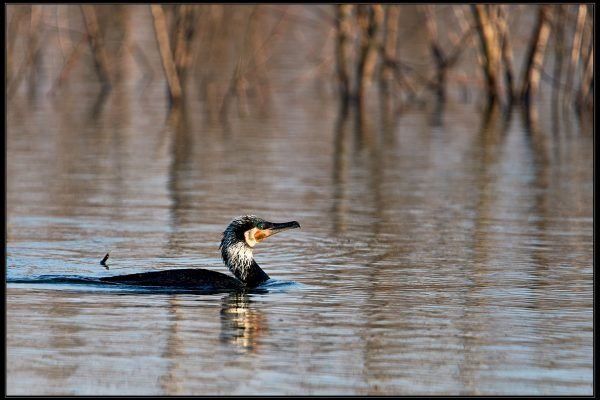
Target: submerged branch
96, 44
535, 56
162, 38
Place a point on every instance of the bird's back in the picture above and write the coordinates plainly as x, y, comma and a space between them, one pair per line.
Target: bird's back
188, 278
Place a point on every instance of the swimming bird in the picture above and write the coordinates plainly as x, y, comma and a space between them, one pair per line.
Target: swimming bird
237, 245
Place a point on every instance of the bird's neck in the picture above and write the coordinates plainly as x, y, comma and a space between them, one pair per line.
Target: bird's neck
239, 259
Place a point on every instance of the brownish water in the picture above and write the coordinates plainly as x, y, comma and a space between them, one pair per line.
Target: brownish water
433, 259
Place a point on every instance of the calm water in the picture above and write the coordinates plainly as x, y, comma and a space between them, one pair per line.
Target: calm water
451, 258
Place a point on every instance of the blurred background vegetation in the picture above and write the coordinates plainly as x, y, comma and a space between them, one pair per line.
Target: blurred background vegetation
393, 55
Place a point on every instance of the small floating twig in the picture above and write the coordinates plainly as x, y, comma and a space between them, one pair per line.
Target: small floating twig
103, 262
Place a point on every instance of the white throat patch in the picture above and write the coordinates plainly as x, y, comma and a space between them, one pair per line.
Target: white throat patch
249, 237
239, 259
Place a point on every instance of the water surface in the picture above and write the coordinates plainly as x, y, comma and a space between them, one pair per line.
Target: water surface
448, 258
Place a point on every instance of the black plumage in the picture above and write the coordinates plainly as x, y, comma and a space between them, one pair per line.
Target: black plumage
239, 239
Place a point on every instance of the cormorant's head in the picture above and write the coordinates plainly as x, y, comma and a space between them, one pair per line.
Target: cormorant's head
240, 237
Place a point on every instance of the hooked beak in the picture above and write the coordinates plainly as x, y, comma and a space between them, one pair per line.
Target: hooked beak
280, 227
276, 228
256, 235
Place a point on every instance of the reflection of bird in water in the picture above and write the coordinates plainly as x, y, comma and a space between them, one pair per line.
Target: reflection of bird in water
239, 239
241, 325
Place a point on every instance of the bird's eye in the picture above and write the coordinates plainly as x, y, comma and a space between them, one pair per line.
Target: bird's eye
261, 225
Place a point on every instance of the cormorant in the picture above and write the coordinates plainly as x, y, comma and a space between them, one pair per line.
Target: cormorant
237, 244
